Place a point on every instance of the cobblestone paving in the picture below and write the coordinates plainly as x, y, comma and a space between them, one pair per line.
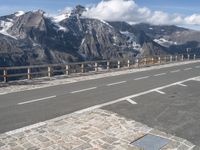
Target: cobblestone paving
93, 130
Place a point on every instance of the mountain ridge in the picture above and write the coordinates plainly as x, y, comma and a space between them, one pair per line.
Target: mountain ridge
29, 38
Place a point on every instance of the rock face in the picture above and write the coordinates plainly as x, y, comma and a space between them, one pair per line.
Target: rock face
34, 38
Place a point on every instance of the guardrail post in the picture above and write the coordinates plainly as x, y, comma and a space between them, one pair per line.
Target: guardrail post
182, 57
118, 64
176, 58
194, 57
96, 66
152, 60
82, 68
171, 58
137, 63
145, 61
108, 65
159, 60
188, 56
49, 71
5, 75
165, 58
29, 73
128, 63
67, 69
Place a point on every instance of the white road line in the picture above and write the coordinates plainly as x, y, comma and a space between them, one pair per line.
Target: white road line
141, 78
26, 128
181, 84
83, 90
174, 71
131, 101
161, 74
98, 106
186, 69
116, 83
160, 92
131, 96
3, 93
197, 66
36, 100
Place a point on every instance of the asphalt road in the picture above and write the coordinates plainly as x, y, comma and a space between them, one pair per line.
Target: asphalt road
176, 112
28, 107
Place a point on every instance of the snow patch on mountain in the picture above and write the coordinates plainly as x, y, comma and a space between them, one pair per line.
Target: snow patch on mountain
165, 42
19, 13
104, 22
4, 27
131, 40
61, 17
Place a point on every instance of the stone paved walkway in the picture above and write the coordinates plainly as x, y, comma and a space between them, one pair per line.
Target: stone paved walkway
92, 130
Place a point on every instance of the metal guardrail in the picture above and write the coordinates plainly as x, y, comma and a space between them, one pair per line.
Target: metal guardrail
29, 72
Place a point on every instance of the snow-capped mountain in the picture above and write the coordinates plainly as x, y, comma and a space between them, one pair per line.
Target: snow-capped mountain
36, 38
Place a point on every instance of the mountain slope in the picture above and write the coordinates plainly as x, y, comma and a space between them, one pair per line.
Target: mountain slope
28, 38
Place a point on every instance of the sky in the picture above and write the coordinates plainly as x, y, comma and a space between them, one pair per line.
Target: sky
179, 12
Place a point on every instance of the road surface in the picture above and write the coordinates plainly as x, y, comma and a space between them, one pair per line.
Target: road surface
143, 96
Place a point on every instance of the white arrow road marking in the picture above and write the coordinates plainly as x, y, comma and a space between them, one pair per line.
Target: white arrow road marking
161, 92
131, 101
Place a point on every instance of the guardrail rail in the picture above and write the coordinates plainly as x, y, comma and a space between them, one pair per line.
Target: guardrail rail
29, 72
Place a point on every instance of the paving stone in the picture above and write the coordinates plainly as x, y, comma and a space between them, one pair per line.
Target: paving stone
17, 148
83, 147
92, 130
107, 146
1, 144
42, 138
109, 139
183, 147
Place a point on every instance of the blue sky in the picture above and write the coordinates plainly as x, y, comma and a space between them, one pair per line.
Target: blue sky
186, 7
188, 10
52, 6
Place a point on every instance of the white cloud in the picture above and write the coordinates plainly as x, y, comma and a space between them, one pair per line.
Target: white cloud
193, 19
129, 11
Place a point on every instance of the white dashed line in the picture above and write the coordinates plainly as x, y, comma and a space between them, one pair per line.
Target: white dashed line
116, 83
131, 96
197, 66
186, 69
174, 71
141, 78
161, 74
83, 90
160, 92
36, 100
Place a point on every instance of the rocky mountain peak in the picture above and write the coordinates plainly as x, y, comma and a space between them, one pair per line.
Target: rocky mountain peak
78, 10
34, 38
